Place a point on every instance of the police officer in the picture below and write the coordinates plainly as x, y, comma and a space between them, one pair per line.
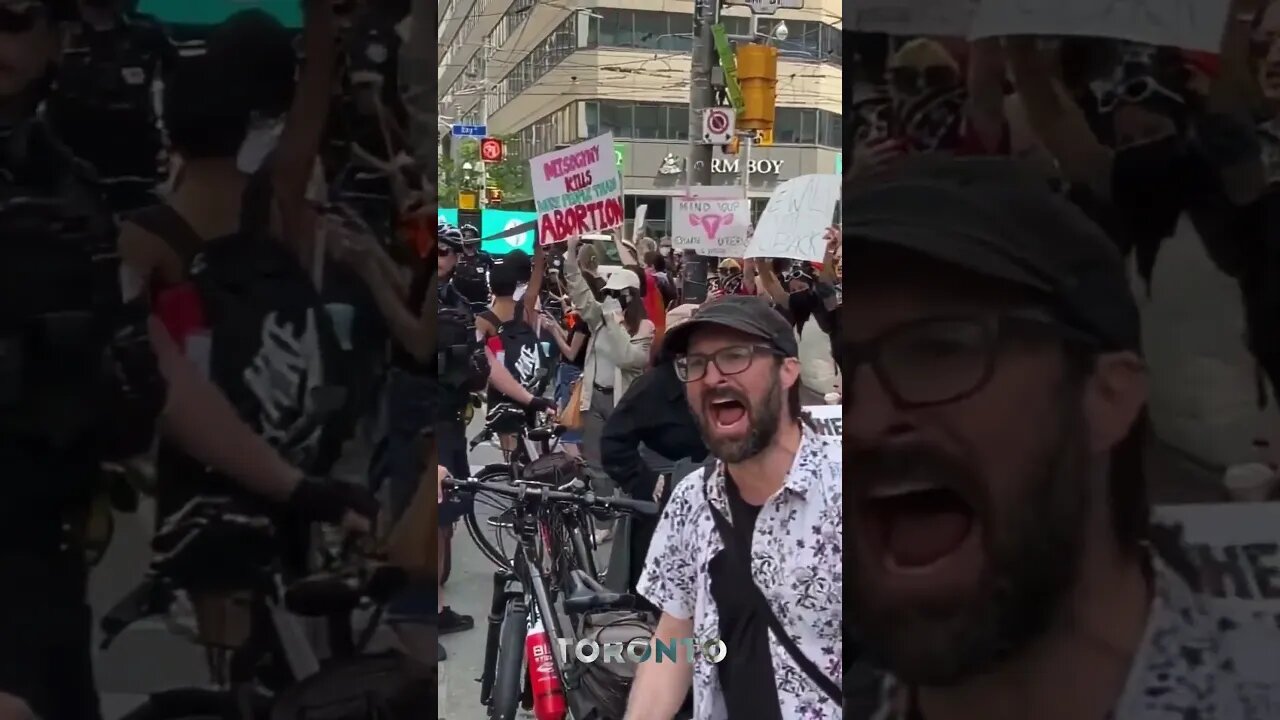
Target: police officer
84, 376
471, 276
103, 103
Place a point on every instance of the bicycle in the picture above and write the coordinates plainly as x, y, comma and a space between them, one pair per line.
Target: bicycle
545, 566
276, 674
531, 444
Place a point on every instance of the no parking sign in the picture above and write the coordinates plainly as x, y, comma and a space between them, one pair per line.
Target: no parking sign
717, 126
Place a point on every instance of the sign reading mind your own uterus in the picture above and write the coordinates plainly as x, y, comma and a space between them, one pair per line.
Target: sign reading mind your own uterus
577, 190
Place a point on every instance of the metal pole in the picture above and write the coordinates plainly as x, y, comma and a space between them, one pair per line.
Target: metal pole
701, 96
484, 120
747, 138
697, 167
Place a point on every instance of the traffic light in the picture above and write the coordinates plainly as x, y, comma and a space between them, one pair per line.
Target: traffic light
758, 75
493, 195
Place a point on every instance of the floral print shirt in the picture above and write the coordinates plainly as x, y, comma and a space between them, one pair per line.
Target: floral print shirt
1198, 661
796, 560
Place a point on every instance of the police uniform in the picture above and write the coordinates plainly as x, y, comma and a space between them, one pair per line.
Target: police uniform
471, 278
102, 104
79, 386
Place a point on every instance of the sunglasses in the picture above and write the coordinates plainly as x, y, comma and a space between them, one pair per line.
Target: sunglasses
914, 80
19, 19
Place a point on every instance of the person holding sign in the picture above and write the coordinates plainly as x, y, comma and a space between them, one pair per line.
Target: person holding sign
1004, 563
617, 353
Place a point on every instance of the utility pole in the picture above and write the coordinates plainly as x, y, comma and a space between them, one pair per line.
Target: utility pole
484, 120
697, 168
701, 95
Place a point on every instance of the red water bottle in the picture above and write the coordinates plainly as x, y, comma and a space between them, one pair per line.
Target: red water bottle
548, 696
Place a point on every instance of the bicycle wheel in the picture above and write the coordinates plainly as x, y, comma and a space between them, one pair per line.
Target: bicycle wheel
509, 668
189, 704
496, 541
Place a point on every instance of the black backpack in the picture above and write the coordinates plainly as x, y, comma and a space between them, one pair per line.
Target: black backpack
523, 357
274, 352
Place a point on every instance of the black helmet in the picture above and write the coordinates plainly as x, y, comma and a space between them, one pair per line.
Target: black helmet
451, 238
470, 235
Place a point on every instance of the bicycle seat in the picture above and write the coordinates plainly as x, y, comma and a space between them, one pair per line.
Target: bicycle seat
585, 601
542, 434
586, 595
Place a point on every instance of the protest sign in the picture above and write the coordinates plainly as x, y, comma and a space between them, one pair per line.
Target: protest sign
948, 18
1187, 24
796, 218
828, 418
711, 227
1234, 548
576, 190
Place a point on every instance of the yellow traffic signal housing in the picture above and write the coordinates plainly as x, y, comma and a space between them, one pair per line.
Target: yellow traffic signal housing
758, 76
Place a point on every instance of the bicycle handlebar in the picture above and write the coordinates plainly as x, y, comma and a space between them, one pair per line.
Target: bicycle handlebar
544, 494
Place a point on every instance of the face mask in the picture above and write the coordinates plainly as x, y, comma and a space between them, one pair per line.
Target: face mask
1149, 183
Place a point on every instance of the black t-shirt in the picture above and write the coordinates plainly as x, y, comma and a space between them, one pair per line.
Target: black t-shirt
580, 327
746, 673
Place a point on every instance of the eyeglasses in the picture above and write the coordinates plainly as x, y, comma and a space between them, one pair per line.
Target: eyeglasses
732, 360
909, 80
20, 18
937, 361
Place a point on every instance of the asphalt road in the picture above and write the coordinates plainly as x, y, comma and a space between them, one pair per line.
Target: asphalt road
148, 658
468, 591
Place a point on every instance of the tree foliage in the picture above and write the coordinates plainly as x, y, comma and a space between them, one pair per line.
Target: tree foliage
511, 176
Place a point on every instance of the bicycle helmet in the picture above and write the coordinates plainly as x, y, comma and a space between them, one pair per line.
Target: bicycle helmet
470, 235
451, 238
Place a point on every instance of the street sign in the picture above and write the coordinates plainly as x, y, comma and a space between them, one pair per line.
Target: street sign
768, 7
717, 126
620, 157
469, 131
492, 150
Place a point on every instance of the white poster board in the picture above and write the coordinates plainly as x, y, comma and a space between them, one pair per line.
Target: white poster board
947, 18
577, 190
715, 227
1236, 548
1187, 24
796, 219
828, 418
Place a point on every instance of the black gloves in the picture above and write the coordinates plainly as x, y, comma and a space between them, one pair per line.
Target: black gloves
327, 501
541, 404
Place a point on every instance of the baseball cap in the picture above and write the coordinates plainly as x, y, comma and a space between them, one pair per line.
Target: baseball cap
622, 280
747, 314
998, 219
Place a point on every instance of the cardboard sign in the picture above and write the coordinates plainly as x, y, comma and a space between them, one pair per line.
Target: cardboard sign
576, 190
948, 18
711, 227
796, 219
828, 418
1237, 551
1187, 24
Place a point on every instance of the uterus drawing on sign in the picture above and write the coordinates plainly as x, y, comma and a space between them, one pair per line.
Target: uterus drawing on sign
711, 223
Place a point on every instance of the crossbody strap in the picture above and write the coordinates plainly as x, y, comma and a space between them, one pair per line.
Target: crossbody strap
742, 562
